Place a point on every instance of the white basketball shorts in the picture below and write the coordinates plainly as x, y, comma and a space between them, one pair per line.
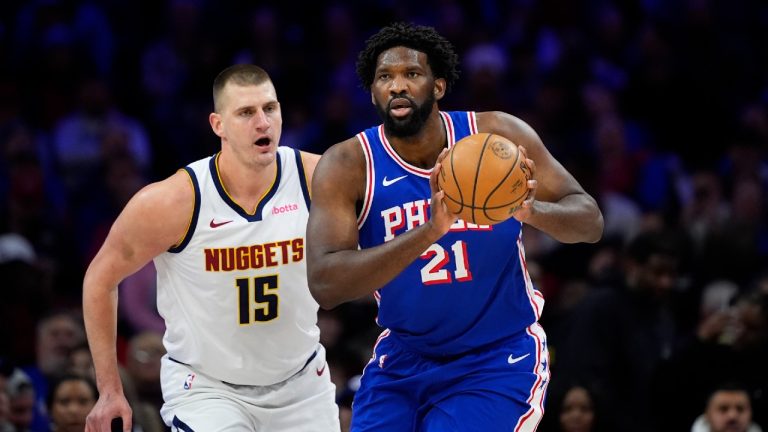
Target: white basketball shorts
200, 403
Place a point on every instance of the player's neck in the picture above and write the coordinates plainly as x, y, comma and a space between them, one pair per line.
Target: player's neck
246, 184
421, 150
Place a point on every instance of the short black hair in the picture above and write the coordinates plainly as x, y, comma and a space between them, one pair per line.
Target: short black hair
240, 74
730, 386
66, 377
440, 53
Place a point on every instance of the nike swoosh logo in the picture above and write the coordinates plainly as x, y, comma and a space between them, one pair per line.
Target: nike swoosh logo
320, 371
215, 224
512, 359
386, 182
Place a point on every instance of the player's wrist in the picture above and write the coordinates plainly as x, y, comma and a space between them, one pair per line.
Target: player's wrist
109, 386
435, 230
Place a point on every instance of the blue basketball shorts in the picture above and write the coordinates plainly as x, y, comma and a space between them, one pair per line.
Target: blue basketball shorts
498, 388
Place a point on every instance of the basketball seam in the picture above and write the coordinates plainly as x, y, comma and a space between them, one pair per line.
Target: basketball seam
477, 174
456, 182
478, 207
450, 198
490, 194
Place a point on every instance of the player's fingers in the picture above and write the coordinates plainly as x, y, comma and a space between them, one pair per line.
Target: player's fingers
442, 155
528, 203
127, 422
524, 210
531, 166
532, 185
95, 423
433, 177
523, 150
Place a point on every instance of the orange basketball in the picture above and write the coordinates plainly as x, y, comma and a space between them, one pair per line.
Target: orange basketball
484, 178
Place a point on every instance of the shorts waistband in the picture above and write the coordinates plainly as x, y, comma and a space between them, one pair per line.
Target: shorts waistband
309, 360
450, 356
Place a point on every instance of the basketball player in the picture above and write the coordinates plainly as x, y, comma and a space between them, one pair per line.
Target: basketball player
462, 349
227, 237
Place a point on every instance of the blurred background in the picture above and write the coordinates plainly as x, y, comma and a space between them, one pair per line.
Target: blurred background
659, 109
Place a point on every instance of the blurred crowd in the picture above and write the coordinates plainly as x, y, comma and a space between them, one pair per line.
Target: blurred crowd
659, 108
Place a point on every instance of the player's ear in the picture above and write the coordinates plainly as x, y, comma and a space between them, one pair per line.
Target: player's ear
439, 88
373, 99
215, 120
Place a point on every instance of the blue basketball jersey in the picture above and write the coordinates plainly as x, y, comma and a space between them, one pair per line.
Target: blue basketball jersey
469, 289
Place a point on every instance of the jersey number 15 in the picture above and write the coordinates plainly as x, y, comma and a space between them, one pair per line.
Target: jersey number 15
264, 298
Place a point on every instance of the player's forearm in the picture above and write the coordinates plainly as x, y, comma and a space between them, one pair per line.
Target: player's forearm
575, 218
100, 314
340, 276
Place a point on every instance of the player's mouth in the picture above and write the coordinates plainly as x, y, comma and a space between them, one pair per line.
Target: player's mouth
400, 107
263, 142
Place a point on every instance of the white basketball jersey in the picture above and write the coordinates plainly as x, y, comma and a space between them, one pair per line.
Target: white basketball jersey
234, 292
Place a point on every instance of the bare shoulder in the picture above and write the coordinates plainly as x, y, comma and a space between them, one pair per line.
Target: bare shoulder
345, 157
159, 214
348, 153
154, 220
519, 132
171, 193
509, 126
342, 164
554, 181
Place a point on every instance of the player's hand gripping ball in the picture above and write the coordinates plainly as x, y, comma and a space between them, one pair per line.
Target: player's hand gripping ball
485, 179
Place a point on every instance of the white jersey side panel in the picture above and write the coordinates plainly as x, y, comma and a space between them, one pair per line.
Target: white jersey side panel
234, 293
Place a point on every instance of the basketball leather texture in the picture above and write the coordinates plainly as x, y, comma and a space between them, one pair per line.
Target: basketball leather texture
484, 177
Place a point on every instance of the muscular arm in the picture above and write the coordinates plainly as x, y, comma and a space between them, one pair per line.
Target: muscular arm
153, 220
561, 207
338, 270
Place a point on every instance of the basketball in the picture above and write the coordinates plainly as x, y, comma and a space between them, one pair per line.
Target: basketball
484, 178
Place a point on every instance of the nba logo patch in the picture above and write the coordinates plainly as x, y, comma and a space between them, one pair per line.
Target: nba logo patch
188, 381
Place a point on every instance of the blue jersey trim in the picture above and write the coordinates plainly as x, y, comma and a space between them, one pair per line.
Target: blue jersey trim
180, 425
302, 177
195, 213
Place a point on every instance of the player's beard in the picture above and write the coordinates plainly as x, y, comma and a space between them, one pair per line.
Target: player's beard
410, 125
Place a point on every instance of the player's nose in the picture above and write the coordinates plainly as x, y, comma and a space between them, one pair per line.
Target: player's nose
260, 120
398, 85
